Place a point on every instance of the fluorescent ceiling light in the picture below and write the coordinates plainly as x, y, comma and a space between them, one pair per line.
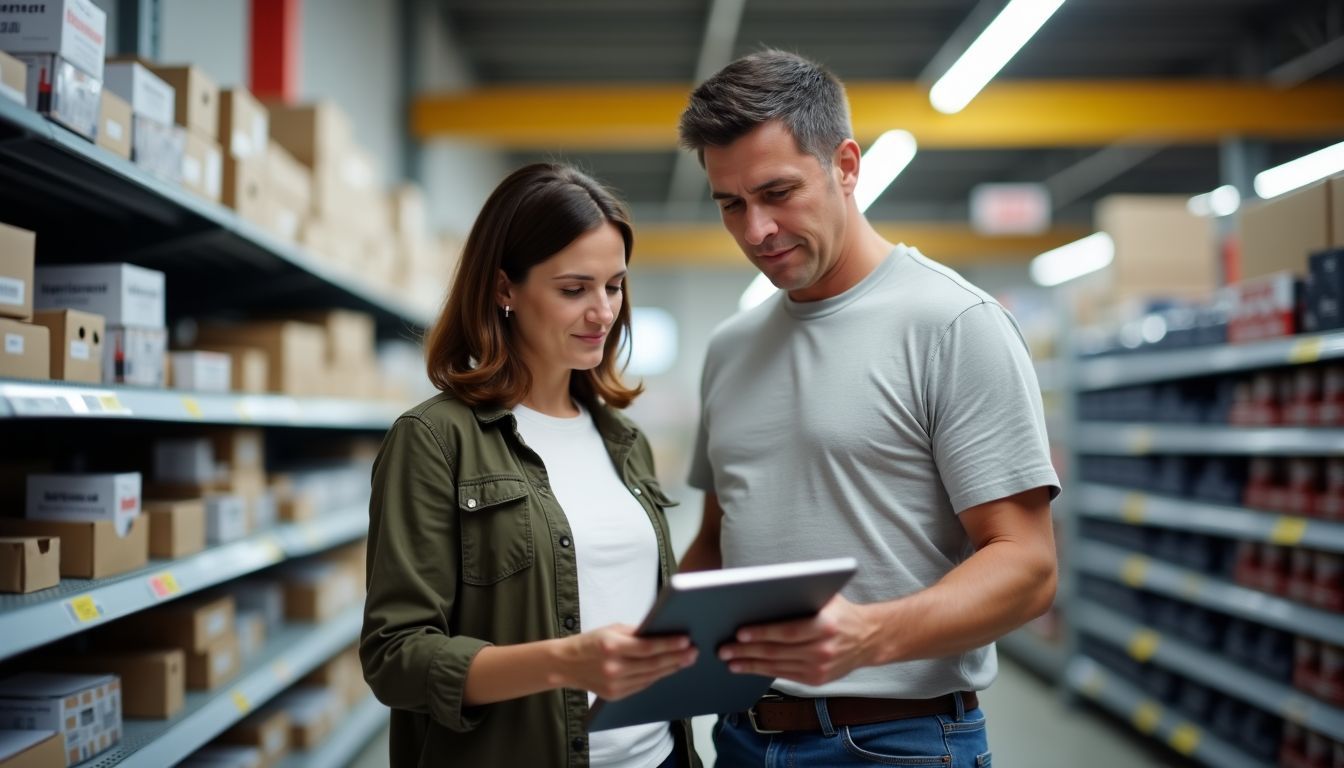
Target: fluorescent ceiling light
881, 164
1223, 201
1300, 172
1076, 259
994, 48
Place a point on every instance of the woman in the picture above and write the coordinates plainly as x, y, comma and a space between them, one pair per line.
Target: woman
516, 528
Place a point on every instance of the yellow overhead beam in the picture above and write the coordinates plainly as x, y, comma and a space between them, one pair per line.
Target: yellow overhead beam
1005, 115
705, 245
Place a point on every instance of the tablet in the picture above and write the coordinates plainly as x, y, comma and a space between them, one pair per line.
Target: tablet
710, 606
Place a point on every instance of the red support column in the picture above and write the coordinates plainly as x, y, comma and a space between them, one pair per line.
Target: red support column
276, 49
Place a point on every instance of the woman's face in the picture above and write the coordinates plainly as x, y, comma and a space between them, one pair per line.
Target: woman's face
567, 304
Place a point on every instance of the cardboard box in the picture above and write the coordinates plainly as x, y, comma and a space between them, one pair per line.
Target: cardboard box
31, 749
153, 682
242, 450
76, 344
251, 633
148, 94
17, 249
114, 125
267, 731
123, 294
217, 756
89, 550
27, 350
249, 370
74, 29
29, 563
202, 167
63, 92
342, 673
66, 497
216, 665
135, 355
245, 188
84, 709
244, 124
201, 371
1277, 235
1161, 249
290, 188
176, 528
13, 79
225, 518
187, 461
313, 712
295, 351
350, 337
197, 104
157, 148
317, 591
194, 624
312, 133
409, 219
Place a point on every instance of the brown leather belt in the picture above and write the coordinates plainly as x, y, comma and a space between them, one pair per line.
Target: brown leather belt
776, 713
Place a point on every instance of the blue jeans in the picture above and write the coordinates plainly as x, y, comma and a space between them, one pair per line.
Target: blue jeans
943, 740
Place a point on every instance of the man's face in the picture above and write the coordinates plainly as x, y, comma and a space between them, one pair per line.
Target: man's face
785, 210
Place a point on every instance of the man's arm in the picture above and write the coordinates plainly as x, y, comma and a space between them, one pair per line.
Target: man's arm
1009, 580
703, 554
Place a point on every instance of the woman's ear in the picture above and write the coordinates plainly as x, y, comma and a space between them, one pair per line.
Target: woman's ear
503, 290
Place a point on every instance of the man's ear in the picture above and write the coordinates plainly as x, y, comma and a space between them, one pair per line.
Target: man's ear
503, 290
846, 164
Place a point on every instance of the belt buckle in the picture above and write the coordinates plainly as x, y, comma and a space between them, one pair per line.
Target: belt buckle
751, 714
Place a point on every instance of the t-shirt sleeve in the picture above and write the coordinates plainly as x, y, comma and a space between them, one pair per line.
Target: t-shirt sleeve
986, 422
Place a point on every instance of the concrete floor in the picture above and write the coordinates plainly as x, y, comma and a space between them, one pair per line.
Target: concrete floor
1029, 727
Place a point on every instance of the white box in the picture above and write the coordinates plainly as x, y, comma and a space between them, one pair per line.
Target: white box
147, 93
185, 461
158, 148
220, 756
123, 294
202, 371
225, 518
84, 709
63, 92
76, 30
261, 595
67, 497
133, 355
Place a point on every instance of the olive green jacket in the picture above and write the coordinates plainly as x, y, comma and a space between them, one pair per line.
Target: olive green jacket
468, 547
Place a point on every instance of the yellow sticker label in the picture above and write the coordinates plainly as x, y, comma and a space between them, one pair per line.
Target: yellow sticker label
1146, 717
283, 673
84, 609
271, 546
1288, 531
1192, 586
1185, 739
192, 407
241, 703
1144, 644
110, 403
1134, 570
1133, 508
1141, 441
1305, 351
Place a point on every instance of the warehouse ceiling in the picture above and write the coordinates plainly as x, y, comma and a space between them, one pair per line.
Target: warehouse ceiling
576, 43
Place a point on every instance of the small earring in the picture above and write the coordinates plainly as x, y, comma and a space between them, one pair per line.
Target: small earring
507, 309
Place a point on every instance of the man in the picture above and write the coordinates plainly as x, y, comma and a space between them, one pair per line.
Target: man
880, 407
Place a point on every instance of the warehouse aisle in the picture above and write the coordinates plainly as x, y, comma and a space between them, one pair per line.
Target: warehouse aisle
1028, 728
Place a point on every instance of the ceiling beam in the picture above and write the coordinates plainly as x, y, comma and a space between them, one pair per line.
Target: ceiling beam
950, 243
1009, 114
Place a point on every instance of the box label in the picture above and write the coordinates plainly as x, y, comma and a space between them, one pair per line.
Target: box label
13, 344
191, 171
79, 350
12, 291
115, 131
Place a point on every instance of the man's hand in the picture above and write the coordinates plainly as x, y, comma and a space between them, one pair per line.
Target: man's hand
841, 638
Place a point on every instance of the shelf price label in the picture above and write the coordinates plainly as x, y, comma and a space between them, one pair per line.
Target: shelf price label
1134, 570
1140, 441
241, 703
1305, 351
84, 609
282, 671
1132, 509
1144, 644
164, 585
193, 408
1288, 531
1185, 739
244, 414
1296, 709
1093, 684
1146, 717
1192, 586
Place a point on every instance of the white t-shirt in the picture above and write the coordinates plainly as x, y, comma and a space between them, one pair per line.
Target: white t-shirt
616, 549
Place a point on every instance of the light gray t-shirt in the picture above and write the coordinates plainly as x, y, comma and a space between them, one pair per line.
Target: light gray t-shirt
861, 425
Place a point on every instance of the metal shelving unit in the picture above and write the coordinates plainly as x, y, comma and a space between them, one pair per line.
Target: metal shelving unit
291, 654
351, 735
1140, 368
1148, 645
58, 400
1095, 682
1142, 572
1104, 502
75, 605
1130, 439
1038, 654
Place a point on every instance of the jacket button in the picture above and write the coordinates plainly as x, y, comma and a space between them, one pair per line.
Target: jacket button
577, 743
471, 503
637, 492
565, 542
570, 622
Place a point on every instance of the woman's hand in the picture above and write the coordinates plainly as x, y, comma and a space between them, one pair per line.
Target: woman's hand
613, 663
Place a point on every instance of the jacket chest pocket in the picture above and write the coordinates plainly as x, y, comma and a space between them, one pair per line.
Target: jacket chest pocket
496, 528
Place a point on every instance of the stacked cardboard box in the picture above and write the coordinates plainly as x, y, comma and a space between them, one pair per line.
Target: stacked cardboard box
61, 43
13, 79
130, 300
29, 563
244, 126
197, 114
157, 145
26, 349
295, 352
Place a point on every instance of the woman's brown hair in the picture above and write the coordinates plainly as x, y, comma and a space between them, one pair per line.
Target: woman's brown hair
471, 351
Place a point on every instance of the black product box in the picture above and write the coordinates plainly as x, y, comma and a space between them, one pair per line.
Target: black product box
1327, 284
64, 93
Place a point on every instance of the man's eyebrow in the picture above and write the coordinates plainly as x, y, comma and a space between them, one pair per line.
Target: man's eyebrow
777, 181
